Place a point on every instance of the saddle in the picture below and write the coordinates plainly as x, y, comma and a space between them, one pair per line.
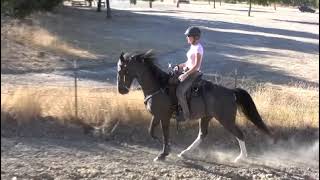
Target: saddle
196, 88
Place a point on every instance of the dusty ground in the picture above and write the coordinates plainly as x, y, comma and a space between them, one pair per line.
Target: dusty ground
277, 47
46, 150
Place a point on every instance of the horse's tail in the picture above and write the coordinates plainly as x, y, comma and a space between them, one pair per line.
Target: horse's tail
248, 107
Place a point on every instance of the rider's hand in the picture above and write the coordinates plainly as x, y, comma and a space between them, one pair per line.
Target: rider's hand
182, 77
176, 68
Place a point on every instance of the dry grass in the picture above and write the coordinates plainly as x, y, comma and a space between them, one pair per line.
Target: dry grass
94, 107
40, 37
24, 107
289, 107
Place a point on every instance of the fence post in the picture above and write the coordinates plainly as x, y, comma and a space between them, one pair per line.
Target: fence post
75, 66
235, 78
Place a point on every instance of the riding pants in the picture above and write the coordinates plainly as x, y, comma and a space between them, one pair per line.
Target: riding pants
182, 90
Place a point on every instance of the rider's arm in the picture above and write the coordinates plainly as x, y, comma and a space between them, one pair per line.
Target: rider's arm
182, 65
196, 65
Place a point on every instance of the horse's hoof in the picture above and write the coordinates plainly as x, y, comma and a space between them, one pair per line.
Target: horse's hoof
239, 159
181, 155
159, 158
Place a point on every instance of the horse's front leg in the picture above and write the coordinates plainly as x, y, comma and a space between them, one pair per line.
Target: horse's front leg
154, 123
165, 124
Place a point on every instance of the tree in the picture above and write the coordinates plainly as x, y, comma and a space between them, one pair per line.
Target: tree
150, 3
249, 8
108, 9
99, 6
90, 3
133, 2
274, 3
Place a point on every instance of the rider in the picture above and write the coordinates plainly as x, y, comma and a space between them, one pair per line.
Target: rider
191, 68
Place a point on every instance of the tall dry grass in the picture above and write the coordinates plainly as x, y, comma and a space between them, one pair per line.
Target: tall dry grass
94, 107
288, 107
23, 108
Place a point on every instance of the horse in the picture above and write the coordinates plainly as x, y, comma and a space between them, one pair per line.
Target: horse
217, 102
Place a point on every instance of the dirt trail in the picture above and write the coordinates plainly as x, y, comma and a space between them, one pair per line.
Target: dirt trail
52, 151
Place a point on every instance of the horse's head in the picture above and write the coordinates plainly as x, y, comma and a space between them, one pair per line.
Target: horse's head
129, 67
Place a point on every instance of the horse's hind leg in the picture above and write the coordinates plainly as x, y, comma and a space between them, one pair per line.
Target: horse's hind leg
203, 131
227, 117
240, 137
234, 129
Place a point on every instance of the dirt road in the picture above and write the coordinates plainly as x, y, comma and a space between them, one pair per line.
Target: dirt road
48, 151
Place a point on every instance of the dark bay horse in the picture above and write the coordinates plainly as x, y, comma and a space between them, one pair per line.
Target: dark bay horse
218, 102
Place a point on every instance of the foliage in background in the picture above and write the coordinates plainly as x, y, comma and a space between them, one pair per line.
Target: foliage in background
22, 8
314, 3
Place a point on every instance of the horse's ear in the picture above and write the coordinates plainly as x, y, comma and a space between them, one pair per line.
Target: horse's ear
121, 57
148, 53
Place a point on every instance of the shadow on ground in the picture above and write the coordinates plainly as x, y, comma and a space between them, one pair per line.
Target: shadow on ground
225, 51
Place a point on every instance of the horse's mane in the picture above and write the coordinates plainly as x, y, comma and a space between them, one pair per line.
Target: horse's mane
149, 59
160, 75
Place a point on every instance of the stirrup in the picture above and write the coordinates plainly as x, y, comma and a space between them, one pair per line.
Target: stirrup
180, 117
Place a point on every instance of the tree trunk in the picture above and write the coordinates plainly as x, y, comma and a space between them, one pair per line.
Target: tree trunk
178, 2
220, 2
90, 3
133, 2
275, 6
249, 8
99, 6
150, 3
108, 9
209, 1
214, 3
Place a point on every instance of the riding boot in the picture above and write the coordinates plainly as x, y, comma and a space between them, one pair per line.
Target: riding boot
186, 115
185, 109
181, 115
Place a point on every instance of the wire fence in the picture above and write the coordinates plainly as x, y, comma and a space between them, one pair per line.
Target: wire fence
75, 89
73, 94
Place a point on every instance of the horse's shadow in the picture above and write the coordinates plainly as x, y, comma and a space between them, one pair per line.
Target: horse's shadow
207, 167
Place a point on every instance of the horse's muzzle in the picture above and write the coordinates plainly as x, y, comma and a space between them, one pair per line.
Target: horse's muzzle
123, 90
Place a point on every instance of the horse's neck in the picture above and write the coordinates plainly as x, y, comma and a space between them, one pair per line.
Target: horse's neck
148, 82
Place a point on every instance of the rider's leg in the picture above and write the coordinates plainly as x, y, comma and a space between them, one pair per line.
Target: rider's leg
181, 93
182, 99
